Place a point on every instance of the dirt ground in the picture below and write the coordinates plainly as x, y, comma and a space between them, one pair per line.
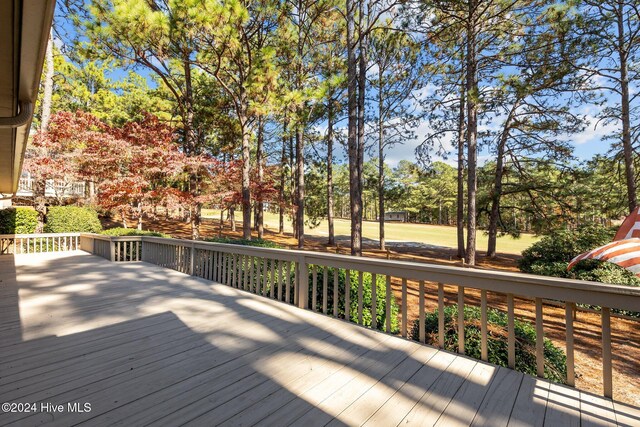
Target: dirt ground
587, 326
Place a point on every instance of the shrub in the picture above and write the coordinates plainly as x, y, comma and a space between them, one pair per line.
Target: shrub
551, 255
366, 297
119, 231
555, 368
18, 221
72, 219
253, 242
563, 245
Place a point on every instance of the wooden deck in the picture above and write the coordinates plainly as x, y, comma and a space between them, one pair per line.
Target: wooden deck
146, 345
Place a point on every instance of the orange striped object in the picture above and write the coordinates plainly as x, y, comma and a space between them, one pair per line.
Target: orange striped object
630, 226
625, 253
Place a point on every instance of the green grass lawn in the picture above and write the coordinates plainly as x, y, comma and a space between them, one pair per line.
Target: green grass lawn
420, 233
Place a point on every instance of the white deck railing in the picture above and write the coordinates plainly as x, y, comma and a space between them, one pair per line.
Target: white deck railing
292, 276
34, 243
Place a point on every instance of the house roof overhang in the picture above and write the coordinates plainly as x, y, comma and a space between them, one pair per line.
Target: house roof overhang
24, 31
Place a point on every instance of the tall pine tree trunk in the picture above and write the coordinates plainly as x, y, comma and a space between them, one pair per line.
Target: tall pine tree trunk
472, 134
330, 208
246, 186
259, 161
47, 95
300, 184
381, 166
40, 183
246, 174
362, 82
190, 140
283, 160
627, 148
293, 186
496, 193
355, 199
460, 195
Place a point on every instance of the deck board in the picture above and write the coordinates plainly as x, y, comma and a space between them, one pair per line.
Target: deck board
150, 346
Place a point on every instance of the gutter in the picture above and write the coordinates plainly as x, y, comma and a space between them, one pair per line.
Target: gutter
23, 117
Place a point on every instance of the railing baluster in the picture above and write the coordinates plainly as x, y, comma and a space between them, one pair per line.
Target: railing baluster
223, 266
206, 267
314, 287
404, 308
203, 262
218, 274
336, 292
511, 340
484, 354
265, 276
232, 269
241, 273
374, 301
568, 316
607, 377
254, 277
421, 325
288, 282
325, 290
246, 284
347, 295
238, 271
360, 299
440, 315
461, 319
260, 270
214, 265
244, 271
539, 339
272, 287
387, 305
280, 278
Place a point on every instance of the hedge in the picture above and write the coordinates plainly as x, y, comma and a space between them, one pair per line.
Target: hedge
120, 231
555, 361
244, 242
551, 255
353, 295
72, 219
18, 221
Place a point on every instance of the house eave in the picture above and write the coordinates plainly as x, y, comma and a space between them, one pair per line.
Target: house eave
24, 32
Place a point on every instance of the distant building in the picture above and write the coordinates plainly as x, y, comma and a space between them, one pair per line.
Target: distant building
400, 216
53, 188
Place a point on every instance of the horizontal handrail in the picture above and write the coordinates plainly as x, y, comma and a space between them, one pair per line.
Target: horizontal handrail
526, 285
28, 235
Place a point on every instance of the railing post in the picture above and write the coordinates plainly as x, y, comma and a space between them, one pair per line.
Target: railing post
143, 250
192, 257
112, 249
302, 284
